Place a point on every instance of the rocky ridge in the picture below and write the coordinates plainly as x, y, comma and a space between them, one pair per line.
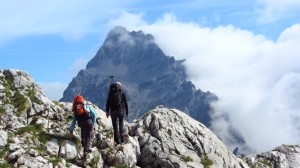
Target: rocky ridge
34, 133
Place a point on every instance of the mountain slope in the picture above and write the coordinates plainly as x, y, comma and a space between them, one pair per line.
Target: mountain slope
149, 77
34, 133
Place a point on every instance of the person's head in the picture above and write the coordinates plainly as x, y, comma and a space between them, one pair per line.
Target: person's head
78, 99
119, 85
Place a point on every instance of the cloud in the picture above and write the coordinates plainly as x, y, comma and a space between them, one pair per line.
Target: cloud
128, 19
54, 90
274, 10
256, 79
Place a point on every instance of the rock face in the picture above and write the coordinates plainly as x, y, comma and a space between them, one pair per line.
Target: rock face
285, 156
34, 133
33, 129
170, 138
148, 76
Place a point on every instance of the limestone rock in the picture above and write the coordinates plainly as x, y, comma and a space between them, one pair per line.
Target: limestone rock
69, 150
170, 138
3, 138
284, 156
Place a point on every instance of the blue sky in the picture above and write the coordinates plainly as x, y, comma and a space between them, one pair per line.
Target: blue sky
244, 51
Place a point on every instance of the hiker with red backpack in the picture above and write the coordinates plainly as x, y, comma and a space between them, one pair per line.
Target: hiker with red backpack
86, 118
117, 108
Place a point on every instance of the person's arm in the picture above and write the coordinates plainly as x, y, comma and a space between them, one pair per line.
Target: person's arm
107, 106
92, 112
125, 103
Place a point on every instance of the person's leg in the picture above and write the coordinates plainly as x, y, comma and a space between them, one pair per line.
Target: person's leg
121, 128
87, 138
82, 132
115, 127
121, 124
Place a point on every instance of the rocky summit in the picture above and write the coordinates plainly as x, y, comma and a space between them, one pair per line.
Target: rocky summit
148, 76
34, 134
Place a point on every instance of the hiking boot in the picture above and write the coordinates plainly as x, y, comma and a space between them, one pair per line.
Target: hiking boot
84, 159
84, 162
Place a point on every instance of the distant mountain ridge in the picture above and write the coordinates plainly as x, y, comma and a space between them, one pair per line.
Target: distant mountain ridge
148, 76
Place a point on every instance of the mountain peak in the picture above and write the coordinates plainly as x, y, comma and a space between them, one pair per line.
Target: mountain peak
149, 77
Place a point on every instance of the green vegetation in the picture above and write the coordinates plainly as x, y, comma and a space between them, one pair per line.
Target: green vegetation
2, 110
40, 149
145, 129
110, 151
31, 95
8, 85
35, 128
206, 162
5, 165
55, 161
186, 159
263, 164
110, 134
19, 73
68, 165
20, 102
44, 137
57, 103
121, 148
68, 119
121, 166
4, 151
36, 131
169, 132
95, 161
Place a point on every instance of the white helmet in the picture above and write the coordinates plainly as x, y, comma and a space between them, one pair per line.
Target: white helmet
118, 83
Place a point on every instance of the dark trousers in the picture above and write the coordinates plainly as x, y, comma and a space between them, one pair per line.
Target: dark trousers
86, 129
117, 118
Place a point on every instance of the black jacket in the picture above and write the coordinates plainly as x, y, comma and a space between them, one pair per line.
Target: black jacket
110, 108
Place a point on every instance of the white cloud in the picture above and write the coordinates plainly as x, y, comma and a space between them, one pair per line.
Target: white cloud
256, 79
273, 10
128, 19
54, 90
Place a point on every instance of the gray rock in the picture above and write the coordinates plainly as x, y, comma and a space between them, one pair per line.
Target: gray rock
33, 152
3, 138
27, 161
15, 155
285, 156
170, 138
52, 147
69, 150
14, 147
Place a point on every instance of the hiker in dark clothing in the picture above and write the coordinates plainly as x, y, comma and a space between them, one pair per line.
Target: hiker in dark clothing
116, 106
86, 118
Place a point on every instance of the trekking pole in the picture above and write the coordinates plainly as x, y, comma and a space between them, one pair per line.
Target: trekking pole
111, 78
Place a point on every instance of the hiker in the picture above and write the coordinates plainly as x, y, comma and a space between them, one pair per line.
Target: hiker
116, 107
86, 118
